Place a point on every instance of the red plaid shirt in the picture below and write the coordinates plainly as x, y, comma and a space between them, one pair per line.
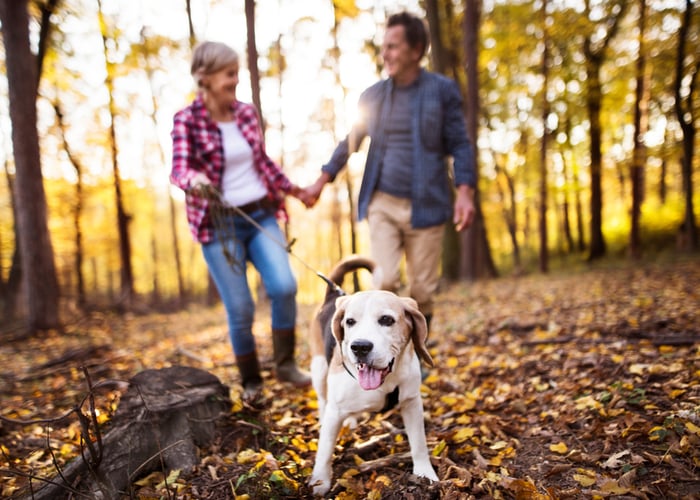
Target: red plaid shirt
198, 147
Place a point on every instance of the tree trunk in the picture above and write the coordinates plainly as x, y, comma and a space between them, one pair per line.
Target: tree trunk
509, 210
593, 98
544, 250
126, 272
641, 108
77, 209
39, 273
253, 58
594, 52
161, 420
475, 261
684, 112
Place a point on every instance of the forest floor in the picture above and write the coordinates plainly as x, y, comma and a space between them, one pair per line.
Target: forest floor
579, 385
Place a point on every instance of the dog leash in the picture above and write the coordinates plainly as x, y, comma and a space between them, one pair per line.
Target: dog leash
218, 210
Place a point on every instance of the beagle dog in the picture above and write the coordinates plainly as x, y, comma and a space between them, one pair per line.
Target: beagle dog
366, 350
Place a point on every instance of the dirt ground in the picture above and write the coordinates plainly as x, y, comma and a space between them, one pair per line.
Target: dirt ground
579, 386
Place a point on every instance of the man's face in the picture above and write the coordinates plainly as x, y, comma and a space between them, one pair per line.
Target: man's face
401, 62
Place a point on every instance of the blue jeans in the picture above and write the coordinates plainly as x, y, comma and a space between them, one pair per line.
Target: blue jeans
271, 260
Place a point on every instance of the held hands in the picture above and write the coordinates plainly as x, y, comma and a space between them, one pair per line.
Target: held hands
464, 210
310, 194
303, 196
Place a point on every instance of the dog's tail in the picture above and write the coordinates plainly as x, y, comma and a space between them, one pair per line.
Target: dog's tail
348, 265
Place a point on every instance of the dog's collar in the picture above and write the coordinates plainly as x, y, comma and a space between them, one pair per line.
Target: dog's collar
348, 370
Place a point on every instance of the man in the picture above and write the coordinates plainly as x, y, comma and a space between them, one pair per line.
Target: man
414, 121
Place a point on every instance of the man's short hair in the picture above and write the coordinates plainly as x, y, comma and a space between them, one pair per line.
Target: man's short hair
414, 28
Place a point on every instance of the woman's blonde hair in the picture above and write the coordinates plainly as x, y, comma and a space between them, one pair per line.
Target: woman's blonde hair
210, 57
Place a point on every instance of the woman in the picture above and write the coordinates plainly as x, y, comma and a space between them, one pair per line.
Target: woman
218, 146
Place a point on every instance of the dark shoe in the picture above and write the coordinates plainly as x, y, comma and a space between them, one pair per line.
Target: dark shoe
286, 370
250, 376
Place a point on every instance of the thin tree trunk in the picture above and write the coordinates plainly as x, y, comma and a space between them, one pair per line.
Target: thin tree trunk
77, 209
544, 250
126, 272
253, 58
641, 108
171, 202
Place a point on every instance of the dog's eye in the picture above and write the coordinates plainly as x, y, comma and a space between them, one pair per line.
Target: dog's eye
386, 320
350, 321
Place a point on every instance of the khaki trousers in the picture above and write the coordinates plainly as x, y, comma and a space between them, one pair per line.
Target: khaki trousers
391, 235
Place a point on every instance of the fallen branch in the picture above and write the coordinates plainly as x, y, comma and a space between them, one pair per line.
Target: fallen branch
385, 461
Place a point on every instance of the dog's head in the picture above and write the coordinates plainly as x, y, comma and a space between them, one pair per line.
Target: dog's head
373, 328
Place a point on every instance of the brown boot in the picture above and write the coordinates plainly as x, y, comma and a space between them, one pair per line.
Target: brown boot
286, 369
250, 376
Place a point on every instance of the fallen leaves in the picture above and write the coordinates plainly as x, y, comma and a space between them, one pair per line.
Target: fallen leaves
582, 386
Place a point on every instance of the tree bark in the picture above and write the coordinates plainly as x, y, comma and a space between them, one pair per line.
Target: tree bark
544, 250
126, 272
37, 257
77, 209
475, 261
595, 55
252, 51
641, 116
684, 113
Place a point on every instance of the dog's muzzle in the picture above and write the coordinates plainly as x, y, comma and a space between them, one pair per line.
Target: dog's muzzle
361, 349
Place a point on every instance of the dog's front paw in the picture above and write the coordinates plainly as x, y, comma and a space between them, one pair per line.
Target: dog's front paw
425, 470
320, 484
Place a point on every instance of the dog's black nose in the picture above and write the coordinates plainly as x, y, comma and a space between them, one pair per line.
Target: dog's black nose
361, 348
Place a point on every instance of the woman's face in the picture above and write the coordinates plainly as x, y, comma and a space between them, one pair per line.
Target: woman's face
221, 85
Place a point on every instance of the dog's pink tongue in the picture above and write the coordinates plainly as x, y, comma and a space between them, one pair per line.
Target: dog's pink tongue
369, 378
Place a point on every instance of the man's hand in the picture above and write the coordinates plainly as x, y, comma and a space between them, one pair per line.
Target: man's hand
464, 210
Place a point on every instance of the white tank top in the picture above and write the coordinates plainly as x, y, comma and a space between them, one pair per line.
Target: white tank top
240, 183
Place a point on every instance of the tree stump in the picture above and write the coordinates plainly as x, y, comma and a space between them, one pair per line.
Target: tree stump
161, 420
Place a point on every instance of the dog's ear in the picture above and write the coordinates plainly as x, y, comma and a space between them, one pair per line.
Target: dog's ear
337, 320
419, 329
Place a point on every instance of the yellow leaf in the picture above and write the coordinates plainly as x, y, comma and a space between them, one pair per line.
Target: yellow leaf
385, 480
585, 477
350, 473
172, 477
674, 394
449, 400
452, 362
657, 433
279, 477
498, 445
638, 368
358, 460
248, 456
692, 428
437, 451
611, 486
463, 434
300, 444
560, 448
